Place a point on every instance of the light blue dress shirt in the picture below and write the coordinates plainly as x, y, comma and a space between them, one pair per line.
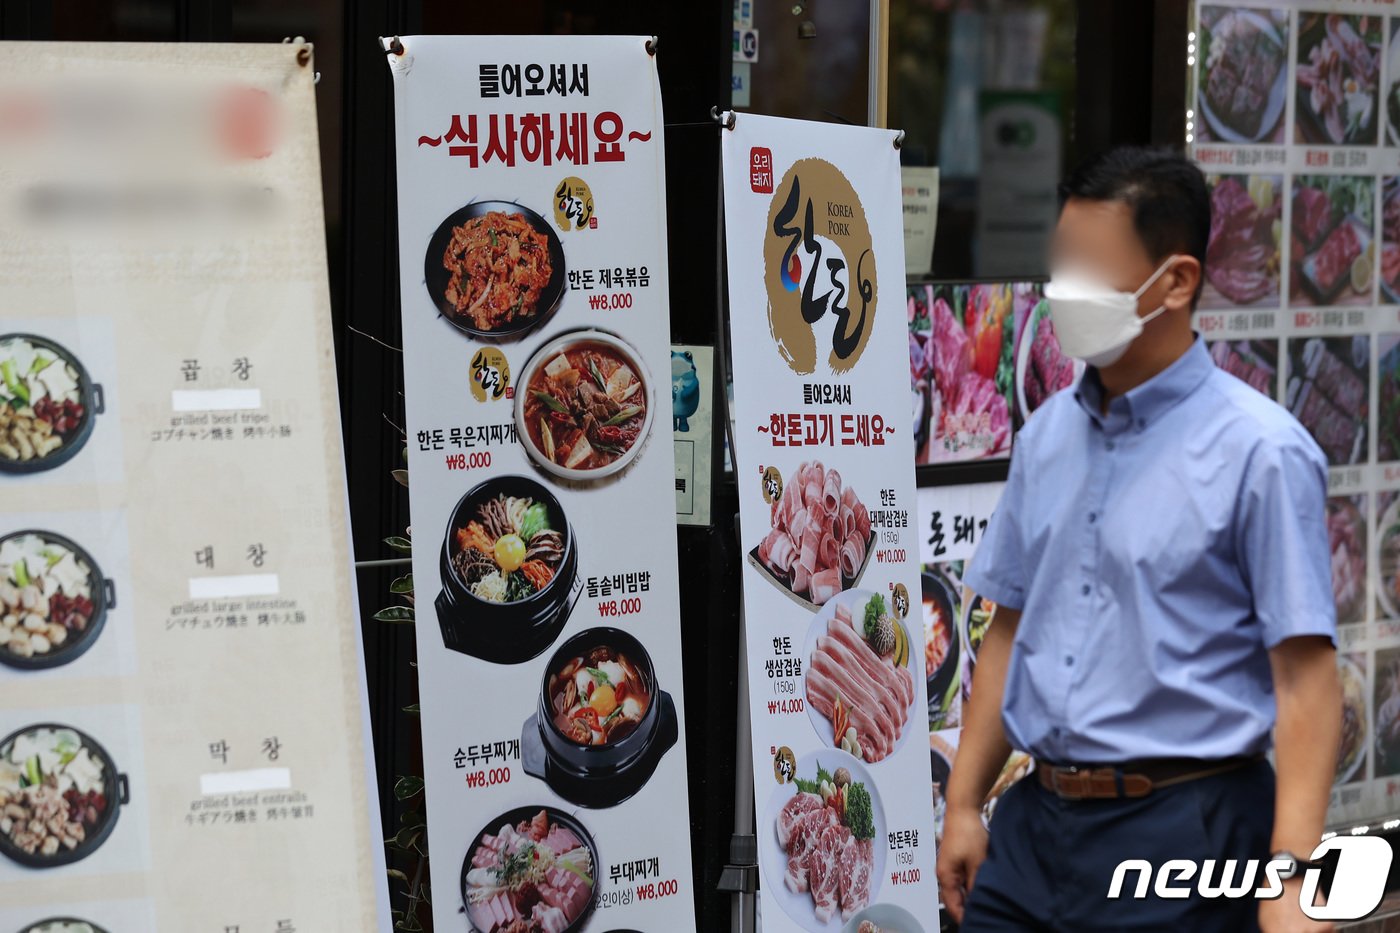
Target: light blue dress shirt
1156, 553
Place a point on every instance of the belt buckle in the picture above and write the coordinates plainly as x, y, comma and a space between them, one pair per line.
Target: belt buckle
1055, 776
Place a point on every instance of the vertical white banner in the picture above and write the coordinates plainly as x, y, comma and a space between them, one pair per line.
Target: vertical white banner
825, 463
184, 738
532, 242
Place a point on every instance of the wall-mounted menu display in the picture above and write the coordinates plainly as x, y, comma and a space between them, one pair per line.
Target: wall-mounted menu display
183, 743
951, 522
1294, 114
824, 457
532, 241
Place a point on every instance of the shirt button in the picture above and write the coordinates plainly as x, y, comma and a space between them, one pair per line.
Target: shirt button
1109, 445
1069, 660
1084, 590
1093, 517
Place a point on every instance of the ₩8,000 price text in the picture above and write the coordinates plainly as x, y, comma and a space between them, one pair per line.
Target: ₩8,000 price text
473, 461
488, 778
612, 608
652, 892
617, 301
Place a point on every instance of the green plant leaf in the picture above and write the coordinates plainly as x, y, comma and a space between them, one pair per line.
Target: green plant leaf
398, 876
408, 785
413, 819
409, 924
399, 544
424, 893
402, 585
413, 709
400, 477
395, 614
406, 837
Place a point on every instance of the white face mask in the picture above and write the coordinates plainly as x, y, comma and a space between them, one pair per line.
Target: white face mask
1093, 321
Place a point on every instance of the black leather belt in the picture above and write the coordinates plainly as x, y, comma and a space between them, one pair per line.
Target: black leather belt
1132, 778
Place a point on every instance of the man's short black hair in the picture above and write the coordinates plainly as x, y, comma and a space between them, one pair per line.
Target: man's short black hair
1166, 192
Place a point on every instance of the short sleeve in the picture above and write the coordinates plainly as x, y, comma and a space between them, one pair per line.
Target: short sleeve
1282, 534
998, 571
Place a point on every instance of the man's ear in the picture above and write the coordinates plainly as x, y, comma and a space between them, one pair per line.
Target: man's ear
1183, 282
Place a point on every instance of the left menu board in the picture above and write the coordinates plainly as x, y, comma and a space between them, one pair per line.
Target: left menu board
183, 740
532, 249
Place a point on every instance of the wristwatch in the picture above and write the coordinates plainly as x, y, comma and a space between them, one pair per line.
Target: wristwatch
1292, 866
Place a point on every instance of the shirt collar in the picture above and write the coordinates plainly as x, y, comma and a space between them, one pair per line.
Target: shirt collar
1146, 403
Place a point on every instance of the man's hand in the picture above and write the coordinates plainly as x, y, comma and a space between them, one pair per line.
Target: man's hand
961, 853
1283, 915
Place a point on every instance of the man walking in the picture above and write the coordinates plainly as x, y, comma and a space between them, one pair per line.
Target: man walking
1161, 569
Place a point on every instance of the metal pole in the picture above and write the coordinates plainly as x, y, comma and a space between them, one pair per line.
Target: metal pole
876, 62
740, 875
743, 845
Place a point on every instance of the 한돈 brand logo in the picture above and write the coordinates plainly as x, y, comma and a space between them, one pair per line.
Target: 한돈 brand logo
1363, 865
819, 269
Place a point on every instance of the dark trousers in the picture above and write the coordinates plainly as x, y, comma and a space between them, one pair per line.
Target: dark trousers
1050, 862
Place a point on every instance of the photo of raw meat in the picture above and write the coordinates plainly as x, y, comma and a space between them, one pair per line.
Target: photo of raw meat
1041, 369
1333, 250
1346, 536
860, 680
1392, 91
1242, 78
920, 302
1388, 554
820, 540
1390, 239
970, 398
829, 824
1253, 362
1329, 393
1388, 403
1338, 77
1246, 228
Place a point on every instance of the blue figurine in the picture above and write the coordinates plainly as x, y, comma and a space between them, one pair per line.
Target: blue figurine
685, 390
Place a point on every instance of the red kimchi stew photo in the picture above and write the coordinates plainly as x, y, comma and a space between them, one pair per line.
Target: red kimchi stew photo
585, 406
